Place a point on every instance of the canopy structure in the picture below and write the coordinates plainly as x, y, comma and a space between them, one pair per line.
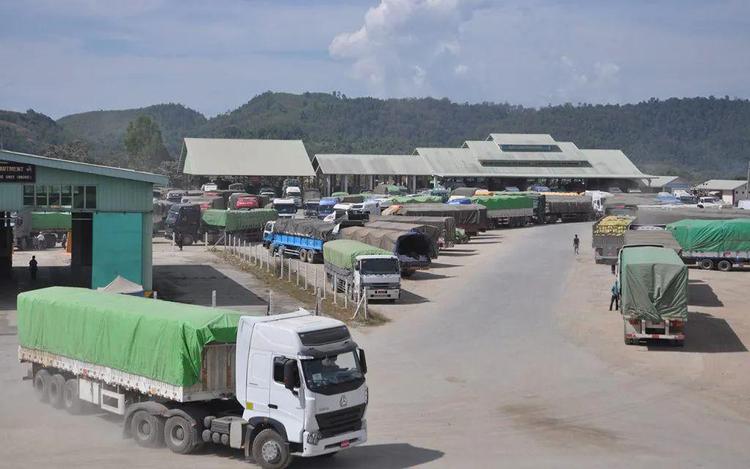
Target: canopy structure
245, 157
391, 165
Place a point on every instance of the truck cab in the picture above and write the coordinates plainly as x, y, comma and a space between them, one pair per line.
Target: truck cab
301, 382
268, 233
380, 275
184, 219
294, 193
325, 207
287, 208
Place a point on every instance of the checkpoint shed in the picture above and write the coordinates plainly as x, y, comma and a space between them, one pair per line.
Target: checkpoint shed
110, 211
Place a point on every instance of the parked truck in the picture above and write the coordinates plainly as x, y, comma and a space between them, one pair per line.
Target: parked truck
412, 249
303, 238
714, 244
185, 376
446, 225
654, 294
608, 237
471, 217
40, 230
287, 208
193, 224
325, 207
567, 207
431, 232
368, 268
506, 210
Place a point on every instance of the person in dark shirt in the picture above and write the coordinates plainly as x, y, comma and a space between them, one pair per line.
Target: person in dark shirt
576, 243
33, 267
615, 299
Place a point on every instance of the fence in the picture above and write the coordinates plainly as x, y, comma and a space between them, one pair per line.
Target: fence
308, 277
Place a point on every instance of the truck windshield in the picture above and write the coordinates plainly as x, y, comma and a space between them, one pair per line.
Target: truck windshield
285, 208
324, 374
379, 266
172, 216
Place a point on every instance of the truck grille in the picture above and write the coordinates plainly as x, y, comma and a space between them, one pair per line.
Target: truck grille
341, 421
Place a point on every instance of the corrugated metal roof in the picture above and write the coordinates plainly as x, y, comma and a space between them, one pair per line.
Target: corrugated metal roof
523, 139
612, 162
721, 184
659, 181
65, 165
409, 165
246, 157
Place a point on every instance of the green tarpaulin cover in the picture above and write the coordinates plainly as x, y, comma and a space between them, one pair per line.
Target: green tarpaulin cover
416, 199
503, 202
343, 252
157, 339
712, 235
239, 220
50, 221
653, 283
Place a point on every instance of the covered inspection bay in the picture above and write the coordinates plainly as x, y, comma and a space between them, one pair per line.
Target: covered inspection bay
111, 213
245, 157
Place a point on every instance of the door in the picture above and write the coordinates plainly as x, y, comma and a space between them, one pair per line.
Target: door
258, 379
285, 405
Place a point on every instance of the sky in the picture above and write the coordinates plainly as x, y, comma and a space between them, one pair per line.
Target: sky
61, 57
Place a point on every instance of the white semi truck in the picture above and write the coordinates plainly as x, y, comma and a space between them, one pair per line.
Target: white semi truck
274, 386
366, 268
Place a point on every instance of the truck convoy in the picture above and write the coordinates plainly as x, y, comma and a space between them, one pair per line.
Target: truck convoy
714, 244
608, 236
184, 376
369, 269
412, 249
192, 223
654, 294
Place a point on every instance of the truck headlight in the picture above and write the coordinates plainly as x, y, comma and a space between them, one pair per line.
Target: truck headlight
313, 438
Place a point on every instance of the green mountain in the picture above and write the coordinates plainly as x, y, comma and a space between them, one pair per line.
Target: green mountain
105, 130
697, 138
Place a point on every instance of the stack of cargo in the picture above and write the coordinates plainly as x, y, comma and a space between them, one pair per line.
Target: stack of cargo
471, 217
447, 225
238, 220
416, 199
608, 238
431, 232
50, 221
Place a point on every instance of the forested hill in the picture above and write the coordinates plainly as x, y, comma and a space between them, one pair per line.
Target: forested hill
696, 137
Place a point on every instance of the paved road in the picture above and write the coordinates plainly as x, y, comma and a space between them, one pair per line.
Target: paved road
478, 376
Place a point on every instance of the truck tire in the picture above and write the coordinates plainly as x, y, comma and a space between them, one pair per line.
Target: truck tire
187, 240
180, 436
71, 401
270, 451
303, 255
706, 264
724, 265
55, 391
147, 430
41, 384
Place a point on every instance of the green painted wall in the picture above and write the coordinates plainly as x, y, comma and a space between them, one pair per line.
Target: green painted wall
117, 248
112, 194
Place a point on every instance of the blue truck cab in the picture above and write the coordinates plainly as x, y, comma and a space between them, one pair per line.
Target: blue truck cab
325, 206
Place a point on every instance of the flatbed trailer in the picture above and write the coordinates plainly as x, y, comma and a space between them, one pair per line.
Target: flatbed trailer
714, 244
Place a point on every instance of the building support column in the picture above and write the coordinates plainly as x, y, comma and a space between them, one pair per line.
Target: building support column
346, 183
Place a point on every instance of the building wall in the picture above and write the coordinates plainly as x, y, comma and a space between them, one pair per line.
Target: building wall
740, 194
112, 194
117, 248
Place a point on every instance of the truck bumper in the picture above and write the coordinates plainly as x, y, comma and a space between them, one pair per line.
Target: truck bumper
334, 443
383, 294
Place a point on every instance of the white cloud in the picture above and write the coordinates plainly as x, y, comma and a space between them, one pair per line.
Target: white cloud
460, 69
407, 47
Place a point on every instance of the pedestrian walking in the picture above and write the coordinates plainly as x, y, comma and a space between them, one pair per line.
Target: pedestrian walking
33, 267
615, 299
576, 243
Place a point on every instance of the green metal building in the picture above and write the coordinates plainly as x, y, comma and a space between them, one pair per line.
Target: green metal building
111, 213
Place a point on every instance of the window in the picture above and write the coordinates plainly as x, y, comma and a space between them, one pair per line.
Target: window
535, 163
278, 370
530, 148
78, 192
28, 195
41, 196
54, 196
90, 196
66, 197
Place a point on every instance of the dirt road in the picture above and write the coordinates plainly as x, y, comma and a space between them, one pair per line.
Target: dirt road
479, 369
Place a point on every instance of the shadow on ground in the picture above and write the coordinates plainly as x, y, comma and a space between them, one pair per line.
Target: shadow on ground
440, 265
426, 275
459, 253
193, 284
393, 456
704, 333
701, 294
409, 298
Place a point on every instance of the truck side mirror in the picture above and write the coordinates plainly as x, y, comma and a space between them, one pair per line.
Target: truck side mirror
362, 361
290, 369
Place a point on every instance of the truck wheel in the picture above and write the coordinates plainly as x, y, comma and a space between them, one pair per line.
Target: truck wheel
303, 255
187, 240
41, 384
147, 429
707, 264
55, 390
72, 402
270, 450
179, 435
724, 265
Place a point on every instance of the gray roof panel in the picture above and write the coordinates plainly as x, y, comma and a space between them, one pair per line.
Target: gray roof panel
245, 157
411, 165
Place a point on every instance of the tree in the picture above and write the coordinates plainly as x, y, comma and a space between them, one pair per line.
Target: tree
144, 144
73, 151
